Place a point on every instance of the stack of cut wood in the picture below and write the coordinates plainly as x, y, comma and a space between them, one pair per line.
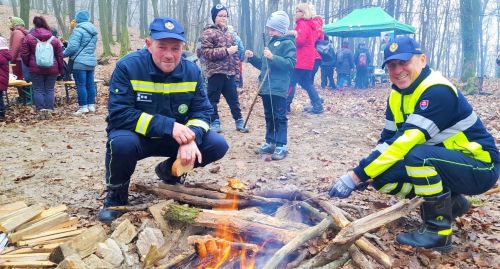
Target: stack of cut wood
28, 234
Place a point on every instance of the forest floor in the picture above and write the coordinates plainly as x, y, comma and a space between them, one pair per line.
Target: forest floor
61, 161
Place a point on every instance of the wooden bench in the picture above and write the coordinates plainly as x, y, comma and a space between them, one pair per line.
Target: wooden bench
70, 85
19, 84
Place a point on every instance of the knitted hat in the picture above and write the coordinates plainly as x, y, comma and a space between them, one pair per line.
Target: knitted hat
279, 21
82, 16
3, 43
15, 21
216, 9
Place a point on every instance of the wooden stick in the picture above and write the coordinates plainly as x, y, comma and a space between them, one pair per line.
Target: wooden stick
39, 226
44, 214
194, 191
341, 221
128, 208
9, 208
36, 241
377, 219
259, 226
298, 241
25, 257
192, 200
359, 259
203, 239
492, 191
21, 217
33, 264
50, 232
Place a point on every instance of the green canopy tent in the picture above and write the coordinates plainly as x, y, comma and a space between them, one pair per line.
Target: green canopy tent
367, 22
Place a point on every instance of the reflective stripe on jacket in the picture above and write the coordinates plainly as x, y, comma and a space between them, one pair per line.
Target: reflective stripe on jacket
414, 117
144, 99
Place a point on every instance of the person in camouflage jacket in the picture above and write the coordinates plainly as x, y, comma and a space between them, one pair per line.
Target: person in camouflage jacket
219, 50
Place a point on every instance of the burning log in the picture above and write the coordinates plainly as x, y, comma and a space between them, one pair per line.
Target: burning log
248, 223
208, 244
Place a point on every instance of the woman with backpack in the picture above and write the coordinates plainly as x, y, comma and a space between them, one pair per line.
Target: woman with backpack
81, 50
42, 53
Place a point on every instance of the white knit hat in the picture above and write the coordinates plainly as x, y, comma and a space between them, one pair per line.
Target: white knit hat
279, 21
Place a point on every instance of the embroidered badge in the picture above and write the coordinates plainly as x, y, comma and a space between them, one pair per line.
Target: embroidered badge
144, 97
277, 43
182, 109
393, 47
219, 6
169, 25
424, 104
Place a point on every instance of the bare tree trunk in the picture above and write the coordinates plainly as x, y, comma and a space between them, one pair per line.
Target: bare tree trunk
154, 3
124, 40
103, 23
56, 4
71, 9
497, 66
483, 48
469, 22
118, 22
143, 18
109, 19
24, 10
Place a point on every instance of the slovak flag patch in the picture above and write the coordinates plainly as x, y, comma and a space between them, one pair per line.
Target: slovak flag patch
424, 104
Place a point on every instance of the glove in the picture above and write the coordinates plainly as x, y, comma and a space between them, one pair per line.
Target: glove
343, 187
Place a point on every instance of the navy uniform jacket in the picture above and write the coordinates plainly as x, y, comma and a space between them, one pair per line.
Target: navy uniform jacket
145, 100
431, 112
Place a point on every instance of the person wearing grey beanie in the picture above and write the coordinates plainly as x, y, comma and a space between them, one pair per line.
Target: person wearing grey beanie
279, 21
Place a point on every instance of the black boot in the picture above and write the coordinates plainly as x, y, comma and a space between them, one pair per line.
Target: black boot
115, 197
2, 114
164, 172
460, 205
436, 231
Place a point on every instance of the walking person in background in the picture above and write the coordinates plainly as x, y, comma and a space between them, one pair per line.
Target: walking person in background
363, 60
306, 36
4, 73
42, 53
17, 34
327, 68
280, 57
219, 50
344, 65
81, 50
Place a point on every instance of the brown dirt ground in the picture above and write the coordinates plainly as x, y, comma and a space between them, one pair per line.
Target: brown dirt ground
62, 161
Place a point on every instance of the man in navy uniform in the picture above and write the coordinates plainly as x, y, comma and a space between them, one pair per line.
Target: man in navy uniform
157, 107
433, 145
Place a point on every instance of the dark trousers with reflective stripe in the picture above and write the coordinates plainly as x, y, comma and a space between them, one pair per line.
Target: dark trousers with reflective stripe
222, 84
458, 172
124, 148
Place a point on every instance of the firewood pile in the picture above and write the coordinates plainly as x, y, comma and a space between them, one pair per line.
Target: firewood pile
273, 229
199, 226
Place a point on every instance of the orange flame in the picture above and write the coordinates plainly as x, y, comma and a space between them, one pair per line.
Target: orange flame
224, 252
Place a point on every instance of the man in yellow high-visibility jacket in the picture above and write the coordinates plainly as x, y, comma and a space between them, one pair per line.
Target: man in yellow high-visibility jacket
433, 145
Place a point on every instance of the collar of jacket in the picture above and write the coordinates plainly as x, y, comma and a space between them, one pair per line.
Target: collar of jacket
153, 70
425, 73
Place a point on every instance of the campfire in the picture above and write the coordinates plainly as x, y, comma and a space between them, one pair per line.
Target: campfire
269, 229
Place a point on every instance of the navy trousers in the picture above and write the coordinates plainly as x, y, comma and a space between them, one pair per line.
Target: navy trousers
276, 119
455, 170
305, 80
124, 148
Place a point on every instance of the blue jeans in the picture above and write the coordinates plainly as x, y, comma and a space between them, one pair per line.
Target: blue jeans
85, 86
276, 119
43, 90
124, 148
305, 80
343, 79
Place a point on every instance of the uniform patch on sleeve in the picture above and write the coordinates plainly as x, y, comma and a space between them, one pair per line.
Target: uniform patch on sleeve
144, 97
424, 104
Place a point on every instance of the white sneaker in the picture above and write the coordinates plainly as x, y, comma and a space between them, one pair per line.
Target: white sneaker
81, 111
91, 108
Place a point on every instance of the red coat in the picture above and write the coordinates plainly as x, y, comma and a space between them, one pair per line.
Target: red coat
4, 69
16, 40
318, 24
305, 41
28, 52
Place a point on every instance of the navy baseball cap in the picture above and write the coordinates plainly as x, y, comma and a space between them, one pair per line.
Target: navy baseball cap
165, 27
401, 48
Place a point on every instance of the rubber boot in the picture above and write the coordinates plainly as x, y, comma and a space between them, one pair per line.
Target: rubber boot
436, 231
164, 172
460, 205
115, 197
240, 126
